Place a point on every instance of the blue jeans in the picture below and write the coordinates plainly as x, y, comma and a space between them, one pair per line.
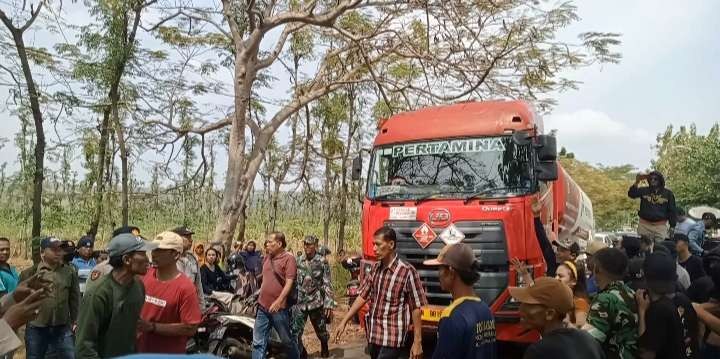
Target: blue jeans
264, 321
39, 339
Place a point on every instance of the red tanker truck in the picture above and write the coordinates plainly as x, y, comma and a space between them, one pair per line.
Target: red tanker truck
468, 173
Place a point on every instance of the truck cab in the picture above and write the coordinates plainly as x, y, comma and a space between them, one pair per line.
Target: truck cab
468, 173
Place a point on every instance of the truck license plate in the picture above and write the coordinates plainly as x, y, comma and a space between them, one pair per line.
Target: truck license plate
432, 314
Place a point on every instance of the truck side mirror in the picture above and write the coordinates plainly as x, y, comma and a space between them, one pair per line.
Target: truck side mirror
546, 171
546, 148
357, 168
521, 138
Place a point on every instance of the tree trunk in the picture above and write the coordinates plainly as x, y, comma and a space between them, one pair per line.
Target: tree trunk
274, 204
241, 225
238, 185
39, 134
112, 112
327, 218
120, 133
242, 167
101, 163
342, 212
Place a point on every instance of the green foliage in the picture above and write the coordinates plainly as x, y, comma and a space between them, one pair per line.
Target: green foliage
404, 71
691, 164
418, 54
177, 37
41, 57
357, 23
600, 43
419, 35
333, 112
607, 188
302, 44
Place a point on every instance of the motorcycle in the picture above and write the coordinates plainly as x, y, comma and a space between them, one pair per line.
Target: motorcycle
226, 329
352, 288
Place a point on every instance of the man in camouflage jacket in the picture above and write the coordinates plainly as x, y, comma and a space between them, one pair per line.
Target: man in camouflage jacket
315, 296
613, 319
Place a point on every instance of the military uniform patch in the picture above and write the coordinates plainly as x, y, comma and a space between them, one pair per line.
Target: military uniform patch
95, 275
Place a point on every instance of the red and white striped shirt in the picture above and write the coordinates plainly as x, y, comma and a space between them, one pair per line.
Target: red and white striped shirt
393, 292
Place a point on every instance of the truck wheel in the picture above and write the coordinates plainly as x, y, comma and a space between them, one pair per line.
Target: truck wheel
235, 349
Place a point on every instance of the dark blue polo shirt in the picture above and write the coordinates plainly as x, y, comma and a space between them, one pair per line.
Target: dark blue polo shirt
466, 331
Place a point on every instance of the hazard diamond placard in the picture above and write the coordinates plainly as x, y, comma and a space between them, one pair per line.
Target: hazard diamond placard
424, 235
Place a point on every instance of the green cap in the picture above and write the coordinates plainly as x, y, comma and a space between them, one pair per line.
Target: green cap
127, 243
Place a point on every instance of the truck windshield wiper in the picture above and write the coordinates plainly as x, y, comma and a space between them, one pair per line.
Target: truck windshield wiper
427, 197
486, 191
386, 197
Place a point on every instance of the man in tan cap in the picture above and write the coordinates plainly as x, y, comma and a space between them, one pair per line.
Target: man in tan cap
171, 313
467, 327
544, 306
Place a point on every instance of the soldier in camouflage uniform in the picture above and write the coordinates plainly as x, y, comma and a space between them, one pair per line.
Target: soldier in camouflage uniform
613, 319
315, 296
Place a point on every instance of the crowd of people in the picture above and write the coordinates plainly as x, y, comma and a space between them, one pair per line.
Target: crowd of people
654, 295
147, 296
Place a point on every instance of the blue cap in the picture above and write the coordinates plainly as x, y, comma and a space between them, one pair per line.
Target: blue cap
49, 242
86, 241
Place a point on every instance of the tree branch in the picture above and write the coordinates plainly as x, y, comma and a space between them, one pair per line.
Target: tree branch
307, 17
33, 16
162, 22
270, 58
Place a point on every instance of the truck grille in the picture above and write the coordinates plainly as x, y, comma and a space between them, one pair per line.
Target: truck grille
487, 239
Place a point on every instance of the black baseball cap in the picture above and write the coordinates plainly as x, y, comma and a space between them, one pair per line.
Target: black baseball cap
660, 272
183, 231
681, 237
573, 247
125, 229
671, 248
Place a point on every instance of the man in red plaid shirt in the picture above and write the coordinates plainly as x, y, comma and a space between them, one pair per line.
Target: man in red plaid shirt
395, 294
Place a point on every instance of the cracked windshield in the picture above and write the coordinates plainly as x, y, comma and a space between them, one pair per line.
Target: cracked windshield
461, 168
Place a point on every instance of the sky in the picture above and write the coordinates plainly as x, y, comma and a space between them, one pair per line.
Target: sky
669, 75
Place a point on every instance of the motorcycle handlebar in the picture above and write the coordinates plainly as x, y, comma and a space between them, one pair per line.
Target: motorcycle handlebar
352, 263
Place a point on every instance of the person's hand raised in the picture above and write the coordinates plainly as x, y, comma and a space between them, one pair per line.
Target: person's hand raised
20, 313
643, 300
37, 282
536, 207
640, 177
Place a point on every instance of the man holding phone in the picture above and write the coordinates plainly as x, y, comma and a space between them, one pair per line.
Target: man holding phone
657, 211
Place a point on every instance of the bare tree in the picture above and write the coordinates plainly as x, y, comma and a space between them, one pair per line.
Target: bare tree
17, 33
414, 52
